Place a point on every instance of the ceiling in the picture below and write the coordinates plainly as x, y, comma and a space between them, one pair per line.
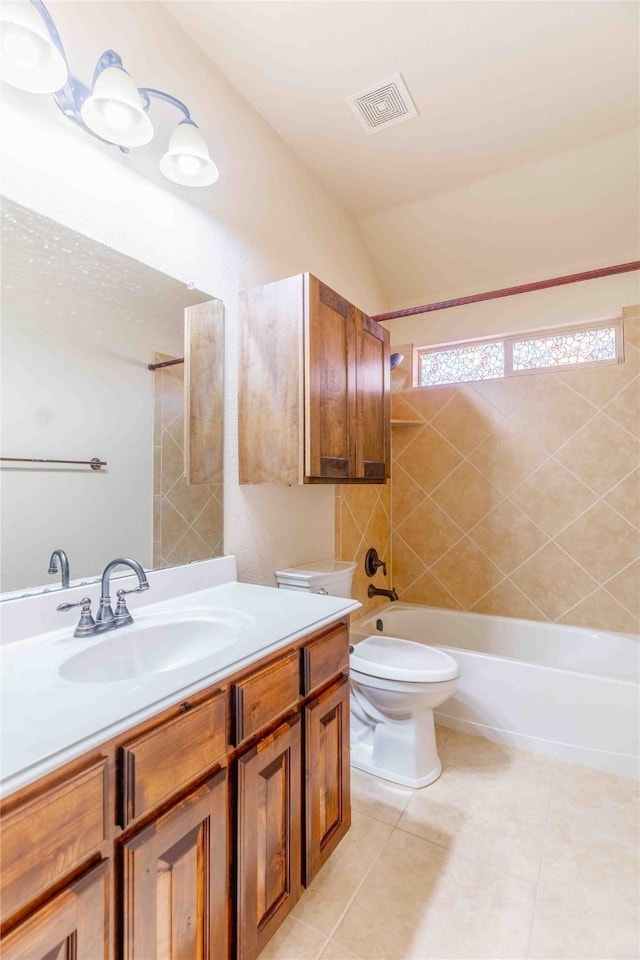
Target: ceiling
498, 85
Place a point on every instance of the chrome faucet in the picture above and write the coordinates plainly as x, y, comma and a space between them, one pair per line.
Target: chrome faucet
378, 592
105, 618
64, 565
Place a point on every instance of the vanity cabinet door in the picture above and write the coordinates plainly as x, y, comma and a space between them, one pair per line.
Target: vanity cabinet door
327, 780
269, 836
74, 925
175, 880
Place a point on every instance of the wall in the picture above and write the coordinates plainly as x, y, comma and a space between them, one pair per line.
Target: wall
187, 520
573, 212
519, 497
363, 520
266, 218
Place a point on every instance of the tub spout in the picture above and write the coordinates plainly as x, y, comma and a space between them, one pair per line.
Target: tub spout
378, 592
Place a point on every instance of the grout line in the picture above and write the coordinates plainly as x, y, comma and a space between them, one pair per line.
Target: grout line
357, 890
544, 841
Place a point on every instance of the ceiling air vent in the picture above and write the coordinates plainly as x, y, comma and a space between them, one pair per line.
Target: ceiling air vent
383, 104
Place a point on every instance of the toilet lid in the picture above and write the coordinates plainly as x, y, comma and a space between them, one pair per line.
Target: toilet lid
397, 659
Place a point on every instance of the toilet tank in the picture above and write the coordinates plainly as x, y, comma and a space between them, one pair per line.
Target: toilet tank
328, 576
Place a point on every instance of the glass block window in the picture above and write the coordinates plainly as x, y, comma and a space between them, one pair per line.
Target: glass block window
582, 346
514, 356
475, 361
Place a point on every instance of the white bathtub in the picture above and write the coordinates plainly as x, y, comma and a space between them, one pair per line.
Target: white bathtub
561, 691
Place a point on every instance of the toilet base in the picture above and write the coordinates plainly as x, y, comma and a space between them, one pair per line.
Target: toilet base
361, 759
403, 752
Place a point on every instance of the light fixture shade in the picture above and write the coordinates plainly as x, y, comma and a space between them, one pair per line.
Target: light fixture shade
30, 59
187, 160
114, 110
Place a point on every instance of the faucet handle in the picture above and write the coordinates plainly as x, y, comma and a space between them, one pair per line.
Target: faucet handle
122, 615
86, 625
372, 563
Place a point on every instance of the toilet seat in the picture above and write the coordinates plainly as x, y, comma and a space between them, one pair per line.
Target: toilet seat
395, 659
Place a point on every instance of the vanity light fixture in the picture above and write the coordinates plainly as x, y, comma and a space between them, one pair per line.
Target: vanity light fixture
114, 110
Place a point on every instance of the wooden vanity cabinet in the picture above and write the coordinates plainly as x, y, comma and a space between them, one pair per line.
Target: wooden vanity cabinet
191, 835
314, 382
175, 880
327, 781
73, 925
269, 835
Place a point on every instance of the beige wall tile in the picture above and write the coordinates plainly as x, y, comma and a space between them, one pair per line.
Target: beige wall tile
553, 582
429, 532
407, 567
601, 541
429, 459
507, 456
401, 436
507, 536
378, 529
625, 498
465, 420
188, 499
406, 496
361, 498
430, 592
351, 534
172, 463
625, 407
599, 385
173, 527
552, 497
552, 413
466, 496
401, 409
506, 600
625, 587
505, 395
176, 431
631, 326
190, 547
600, 611
428, 401
601, 454
467, 573
209, 523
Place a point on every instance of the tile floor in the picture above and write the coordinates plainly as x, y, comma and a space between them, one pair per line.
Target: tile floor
507, 855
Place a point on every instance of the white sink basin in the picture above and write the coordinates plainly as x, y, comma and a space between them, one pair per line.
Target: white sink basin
156, 646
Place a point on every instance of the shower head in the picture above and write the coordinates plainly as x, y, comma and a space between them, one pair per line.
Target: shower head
396, 359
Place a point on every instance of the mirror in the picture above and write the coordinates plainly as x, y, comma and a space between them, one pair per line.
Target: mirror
80, 324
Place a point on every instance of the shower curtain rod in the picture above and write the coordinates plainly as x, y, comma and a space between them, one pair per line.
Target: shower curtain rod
511, 291
164, 363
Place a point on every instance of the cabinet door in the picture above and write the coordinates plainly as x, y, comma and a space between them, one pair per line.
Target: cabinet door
269, 836
175, 880
328, 795
373, 441
330, 384
73, 925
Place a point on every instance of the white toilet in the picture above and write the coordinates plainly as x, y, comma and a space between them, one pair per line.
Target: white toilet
395, 687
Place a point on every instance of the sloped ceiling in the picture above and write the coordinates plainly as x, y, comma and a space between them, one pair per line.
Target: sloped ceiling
523, 162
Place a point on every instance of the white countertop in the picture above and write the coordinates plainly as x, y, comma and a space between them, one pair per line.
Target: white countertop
47, 720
